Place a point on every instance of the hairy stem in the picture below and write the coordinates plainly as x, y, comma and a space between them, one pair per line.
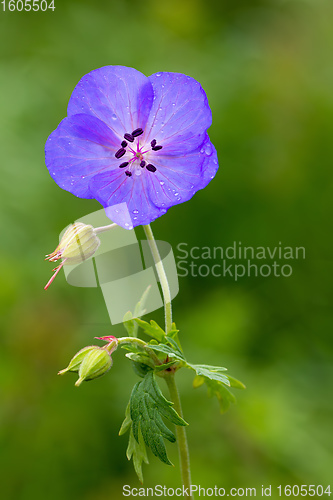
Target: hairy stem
184, 457
162, 277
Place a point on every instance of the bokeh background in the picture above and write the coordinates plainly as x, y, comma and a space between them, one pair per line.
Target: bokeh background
266, 66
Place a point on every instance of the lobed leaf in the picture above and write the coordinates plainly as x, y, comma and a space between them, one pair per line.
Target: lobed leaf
210, 372
130, 325
168, 350
147, 407
135, 449
152, 329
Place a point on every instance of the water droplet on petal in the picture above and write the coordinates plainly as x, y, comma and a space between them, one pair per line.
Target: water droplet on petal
162, 183
138, 173
178, 199
158, 74
176, 194
114, 117
208, 149
215, 161
135, 211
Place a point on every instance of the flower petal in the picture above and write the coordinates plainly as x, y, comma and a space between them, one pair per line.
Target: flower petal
113, 189
81, 146
121, 97
180, 114
178, 178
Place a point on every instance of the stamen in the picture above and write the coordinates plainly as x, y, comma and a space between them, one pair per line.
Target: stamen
129, 174
151, 168
124, 144
142, 163
153, 143
120, 153
137, 132
129, 137
122, 165
156, 148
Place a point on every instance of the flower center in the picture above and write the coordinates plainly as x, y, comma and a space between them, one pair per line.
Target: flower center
136, 153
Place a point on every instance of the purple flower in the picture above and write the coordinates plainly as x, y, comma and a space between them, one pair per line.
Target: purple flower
137, 144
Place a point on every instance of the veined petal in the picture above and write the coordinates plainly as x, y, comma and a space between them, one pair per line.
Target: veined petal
79, 148
121, 97
112, 188
178, 178
180, 114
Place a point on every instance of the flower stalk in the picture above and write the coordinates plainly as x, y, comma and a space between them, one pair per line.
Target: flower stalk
162, 277
183, 451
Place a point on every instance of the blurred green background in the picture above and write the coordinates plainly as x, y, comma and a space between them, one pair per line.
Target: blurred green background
266, 66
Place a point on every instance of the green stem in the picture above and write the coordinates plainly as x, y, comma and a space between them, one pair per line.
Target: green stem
184, 457
162, 277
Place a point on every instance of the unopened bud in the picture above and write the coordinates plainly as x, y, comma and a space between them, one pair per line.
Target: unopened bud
75, 362
95, 364
79, 242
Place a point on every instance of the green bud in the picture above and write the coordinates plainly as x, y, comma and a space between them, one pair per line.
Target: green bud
97, 362
76, 361
79, 242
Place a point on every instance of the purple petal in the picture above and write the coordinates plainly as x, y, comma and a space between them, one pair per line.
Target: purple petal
79, 148
125, 198
178, 178
121, 97
180, 114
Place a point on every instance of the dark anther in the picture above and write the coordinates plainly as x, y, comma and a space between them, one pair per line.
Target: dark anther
137, 131
128, 173
122, 165
120, 153
142, 163
124, 144
153, 143
151, 168
156, 148
129, 137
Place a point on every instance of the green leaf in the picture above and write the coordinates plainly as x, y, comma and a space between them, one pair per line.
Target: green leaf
135, 450
139, 308
210, 372
147, 407
168, 350
127, 421
217, 388
130, 325
152, 329
224, 396
160, 368
141, 363
237, 384
140, 358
